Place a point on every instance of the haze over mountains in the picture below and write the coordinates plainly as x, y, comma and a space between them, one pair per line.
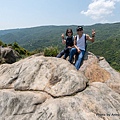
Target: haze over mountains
107, 40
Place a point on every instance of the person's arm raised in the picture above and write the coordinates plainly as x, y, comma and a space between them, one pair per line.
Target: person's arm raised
63, 39
92, 39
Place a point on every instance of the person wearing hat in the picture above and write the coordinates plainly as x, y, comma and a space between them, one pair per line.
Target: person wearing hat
80, 45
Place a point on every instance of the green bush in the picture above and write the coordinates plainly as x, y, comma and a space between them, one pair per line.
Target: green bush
20, 50
1, 43
17, 49
15, 45
10, 44
51, 51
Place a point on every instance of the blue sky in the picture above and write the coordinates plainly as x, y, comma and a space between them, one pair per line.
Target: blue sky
31, 13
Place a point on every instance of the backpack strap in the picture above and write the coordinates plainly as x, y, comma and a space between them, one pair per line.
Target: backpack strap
75, 37
66, 37
85, 42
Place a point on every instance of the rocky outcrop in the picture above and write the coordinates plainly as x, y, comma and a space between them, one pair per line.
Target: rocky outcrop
92, 69
98, 70
44, 88
54, 76
8, 55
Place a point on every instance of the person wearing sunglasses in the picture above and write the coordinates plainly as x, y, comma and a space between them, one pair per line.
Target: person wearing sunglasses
69, 42
80, 46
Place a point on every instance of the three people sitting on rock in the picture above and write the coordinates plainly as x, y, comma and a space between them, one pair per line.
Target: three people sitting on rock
78, 47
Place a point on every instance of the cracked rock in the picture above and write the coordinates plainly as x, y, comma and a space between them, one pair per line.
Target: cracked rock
45, 88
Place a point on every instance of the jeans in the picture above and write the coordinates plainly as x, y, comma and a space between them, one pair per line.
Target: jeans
64, 52
80, 57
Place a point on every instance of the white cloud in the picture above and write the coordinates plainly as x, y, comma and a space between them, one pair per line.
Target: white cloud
100, 9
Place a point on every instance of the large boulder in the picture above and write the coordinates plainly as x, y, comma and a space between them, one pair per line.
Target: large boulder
8, 55
54, 76
47, 88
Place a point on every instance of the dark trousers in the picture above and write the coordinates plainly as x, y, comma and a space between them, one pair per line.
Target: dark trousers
64, 52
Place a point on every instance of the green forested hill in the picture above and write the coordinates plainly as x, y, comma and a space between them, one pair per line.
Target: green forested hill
34, 38
110, 49
107, 40
44, 36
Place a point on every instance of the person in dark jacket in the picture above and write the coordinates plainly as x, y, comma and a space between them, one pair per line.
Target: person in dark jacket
69, 42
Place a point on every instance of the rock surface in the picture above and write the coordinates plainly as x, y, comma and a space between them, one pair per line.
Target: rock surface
98, 70
54, 76
8, 55
44, 88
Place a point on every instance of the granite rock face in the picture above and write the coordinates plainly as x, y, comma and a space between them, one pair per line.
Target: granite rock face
98, 70
8, 55
45, 88
54, 76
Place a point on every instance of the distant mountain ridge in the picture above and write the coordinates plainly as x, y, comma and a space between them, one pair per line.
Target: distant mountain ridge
44, 36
